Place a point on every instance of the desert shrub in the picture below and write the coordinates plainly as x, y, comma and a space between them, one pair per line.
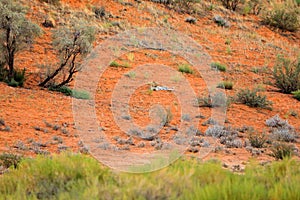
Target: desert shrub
284, 16
114, 64
257, 141
218, 66
216, 131
181, 6
218, 99
284, 134
296, 94
99, 12
226, 85
78, 94
253, 99
53, 2
287, 75
253, 7
184, 68
281, 150
232, 4
277, 122
8, 159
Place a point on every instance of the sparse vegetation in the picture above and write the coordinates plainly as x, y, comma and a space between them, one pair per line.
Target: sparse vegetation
286, 74
16, 34
72, 44
284, 16
257, 140
181, 6
218, 66
218, 99
7, 160
226, 85
277, 122
185, 68
253, 99
283, 134
281, 150
78, 94
232, 4
296, 94
53, 2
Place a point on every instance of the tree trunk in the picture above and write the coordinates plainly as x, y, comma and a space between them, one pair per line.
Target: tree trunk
62, 65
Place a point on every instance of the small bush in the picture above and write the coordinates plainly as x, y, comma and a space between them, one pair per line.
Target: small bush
253, 99
181, 6
53, 2
218, 66
277, 122
226, 85
185, 69
287, 75
284, 16
16, 81
217, 100
216, 131
283, 134
257, 141
281, 151
99, 12
114, 64
7, 160
296, 94
232, 4
78, 94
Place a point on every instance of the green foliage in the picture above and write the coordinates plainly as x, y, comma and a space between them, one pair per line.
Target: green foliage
253, 99
218, 66
16, 33
296, 94
226, 85
257, 141
78, 94
281, 150
73, 176
287, 75
232, 4
284, 16
185, 68
7, 160
17, 79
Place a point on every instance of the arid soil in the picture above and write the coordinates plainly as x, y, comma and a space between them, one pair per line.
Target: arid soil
41, 121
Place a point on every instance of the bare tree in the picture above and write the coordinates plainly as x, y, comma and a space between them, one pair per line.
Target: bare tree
72, 44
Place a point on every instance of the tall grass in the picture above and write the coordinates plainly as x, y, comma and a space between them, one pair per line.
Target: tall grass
73, 176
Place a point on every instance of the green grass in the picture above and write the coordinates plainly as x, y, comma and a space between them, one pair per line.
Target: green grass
226, 85
296, 94
73, 176
218, 66
78, 94
185, 68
